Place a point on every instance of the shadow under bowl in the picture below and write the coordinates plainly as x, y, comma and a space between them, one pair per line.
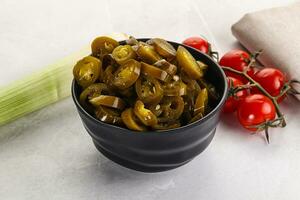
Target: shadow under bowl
157, 151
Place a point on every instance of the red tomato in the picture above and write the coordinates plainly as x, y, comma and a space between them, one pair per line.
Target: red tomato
254, 110
271, 79
238, 60
198, 43
232, 103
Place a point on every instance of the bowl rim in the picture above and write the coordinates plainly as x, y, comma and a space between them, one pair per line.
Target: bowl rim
161, 132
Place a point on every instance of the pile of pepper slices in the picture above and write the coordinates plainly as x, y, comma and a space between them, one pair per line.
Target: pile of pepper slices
143, 85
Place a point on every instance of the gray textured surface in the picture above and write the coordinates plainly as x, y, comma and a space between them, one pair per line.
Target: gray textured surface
48, 154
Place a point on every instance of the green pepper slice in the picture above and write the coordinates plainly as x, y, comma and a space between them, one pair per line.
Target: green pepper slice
102, 46
92, 91
203, 67
150, 70
131, 121
196, 117
109, 101
212, 92
156, 109
172, 107
87, 70
188, 63
163, 48
108, 77
175, 87
166, 66
201, 102
127, 74
148, 89
167, 125
123, 53
132, 41
147, 53
108, 115
145, 115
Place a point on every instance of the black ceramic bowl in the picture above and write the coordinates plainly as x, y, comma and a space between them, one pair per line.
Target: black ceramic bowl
157, 151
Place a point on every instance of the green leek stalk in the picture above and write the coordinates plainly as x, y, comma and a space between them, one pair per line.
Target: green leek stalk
41, 88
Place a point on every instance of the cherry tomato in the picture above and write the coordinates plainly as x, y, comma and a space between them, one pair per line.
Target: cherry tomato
232, 102
254, 110
198, 43
238, 60
272, 80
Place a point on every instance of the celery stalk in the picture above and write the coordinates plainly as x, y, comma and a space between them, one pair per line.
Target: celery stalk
42, 88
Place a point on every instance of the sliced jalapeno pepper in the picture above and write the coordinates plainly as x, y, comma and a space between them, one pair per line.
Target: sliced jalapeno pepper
87, 71
108, 115
188, 110
164, 48
201, 102
131, 121
123, 53
148, 89
196, 117
92, 91
175, 88
127, 74
147, 53
150, 70
188, 63
203, 67
145, 115
108, 60
132, 41
166, 66
128, 92
108, 77
156, 109
167, 125
212, 92
102, 46
109, 101
172, 107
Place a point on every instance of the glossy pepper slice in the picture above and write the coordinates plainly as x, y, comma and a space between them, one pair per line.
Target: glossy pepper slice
156, 109
123, 53
108, 77
147, 53
150, 70
188, 110
211, 89
149, 89
108, 115
175, 87
108, 60
167, 125
196, 117
131, 121
145, 115
166, 66
203, 67
172, 107
102, 46
87, 70
188, 63
163, 48
201, 102
92, 91
109, 101
127, 74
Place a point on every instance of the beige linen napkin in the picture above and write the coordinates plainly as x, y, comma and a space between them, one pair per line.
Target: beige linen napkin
277, 32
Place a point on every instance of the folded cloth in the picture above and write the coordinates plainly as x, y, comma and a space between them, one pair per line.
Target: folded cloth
276, 31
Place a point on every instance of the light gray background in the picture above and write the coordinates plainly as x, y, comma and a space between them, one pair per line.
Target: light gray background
48, 154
